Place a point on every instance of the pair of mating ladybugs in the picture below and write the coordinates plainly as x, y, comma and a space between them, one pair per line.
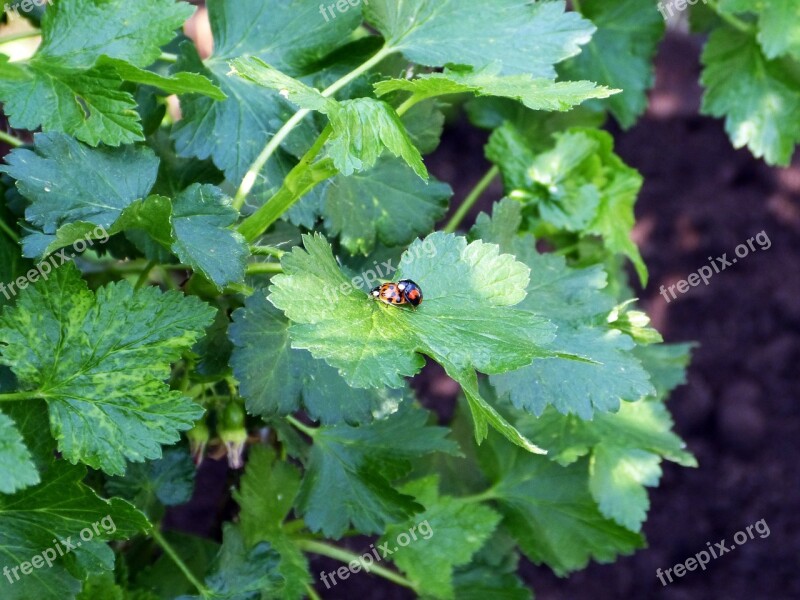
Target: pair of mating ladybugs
404, 291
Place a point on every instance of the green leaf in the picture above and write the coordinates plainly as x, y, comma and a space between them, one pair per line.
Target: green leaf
67, 182
573, 299
293, 37
620, 54
17, 470
778, 28
350, 472
99, 360
536, 94
267, 493
666, 364
260, 334
240, 572
761, 105
579, 185
626, 449
201, 219
468, 290
445, 535
76, 33
177, 83
388, 203
493, 572
361, 129
466, 323
437, 32
88, 104
59, 508
67, 87
168, 481
549, 510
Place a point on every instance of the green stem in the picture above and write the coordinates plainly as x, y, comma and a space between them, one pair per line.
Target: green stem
274, 143
302, 178
346, 556
145, 274
11, 140
8, 231
309, 431
23, 35
266, 251
470, 200
261, 268
481, 497
15, 396
169, 550
576, 6
168, 57
730, 19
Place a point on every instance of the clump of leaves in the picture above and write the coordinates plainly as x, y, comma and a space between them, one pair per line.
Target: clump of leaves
223, 306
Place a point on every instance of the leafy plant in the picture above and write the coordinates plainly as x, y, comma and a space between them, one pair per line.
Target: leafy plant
222, 304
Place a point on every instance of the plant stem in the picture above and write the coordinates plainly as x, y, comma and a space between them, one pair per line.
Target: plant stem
8, 231
303, 177
168, 57
488, 494
261, 268
11, 140
274, 143
266, 251
730, 19
471, 199
15, 396
309, 431
346, 556
23, 35
145, 274
576, 6
170, 551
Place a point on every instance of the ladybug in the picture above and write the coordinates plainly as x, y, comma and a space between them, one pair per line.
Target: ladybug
410, 291
389, 293
402, 292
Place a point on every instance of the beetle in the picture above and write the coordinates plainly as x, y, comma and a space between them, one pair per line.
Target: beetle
397, 294
411, 292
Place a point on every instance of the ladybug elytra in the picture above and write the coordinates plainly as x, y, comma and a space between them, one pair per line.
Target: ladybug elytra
402, 292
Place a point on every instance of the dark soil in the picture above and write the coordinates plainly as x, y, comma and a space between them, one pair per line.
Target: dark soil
738, 413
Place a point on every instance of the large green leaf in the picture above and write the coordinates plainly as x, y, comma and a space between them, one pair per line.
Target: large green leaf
620, 54
100, 360
274, 377
437, 32
761, 105
67, 87
467, 321
351, 469
778, 23
67, 182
